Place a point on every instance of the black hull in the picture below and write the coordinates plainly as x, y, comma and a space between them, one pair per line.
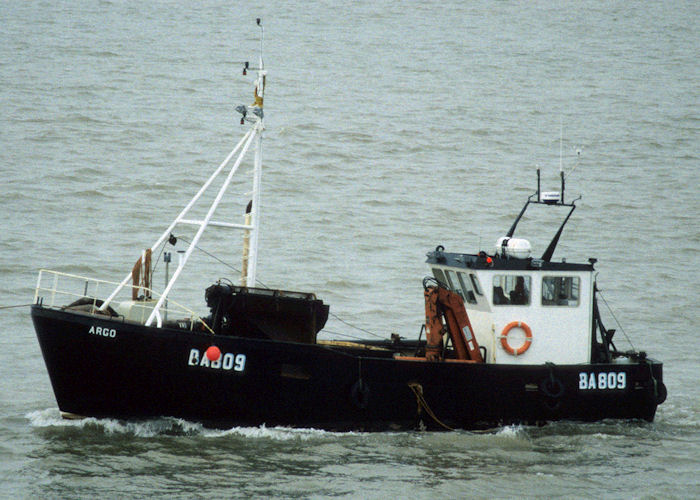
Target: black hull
105, 367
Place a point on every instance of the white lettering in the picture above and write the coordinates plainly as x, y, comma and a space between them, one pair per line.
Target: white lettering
602, 380
227, 362
240, 363
102, 332
194, 357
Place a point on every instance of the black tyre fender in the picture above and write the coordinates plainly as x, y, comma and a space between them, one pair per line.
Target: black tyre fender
552, 387
360, 394
661, 393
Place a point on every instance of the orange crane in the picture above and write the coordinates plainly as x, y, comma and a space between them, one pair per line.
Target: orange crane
441, 303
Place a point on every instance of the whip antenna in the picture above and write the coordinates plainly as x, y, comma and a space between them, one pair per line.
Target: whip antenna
262, 37
561, 144
561, 153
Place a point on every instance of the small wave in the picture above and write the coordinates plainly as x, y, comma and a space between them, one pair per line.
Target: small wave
276, 433
81, 118
513, 431
171, 426
103, 53
92, 193
507, 439
51, 418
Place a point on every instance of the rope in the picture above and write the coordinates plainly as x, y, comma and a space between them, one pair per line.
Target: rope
18, 305
616, 321
422, 403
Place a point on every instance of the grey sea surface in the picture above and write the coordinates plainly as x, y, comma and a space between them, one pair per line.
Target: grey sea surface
392, 127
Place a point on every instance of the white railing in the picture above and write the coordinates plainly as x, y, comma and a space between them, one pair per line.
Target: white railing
58, 290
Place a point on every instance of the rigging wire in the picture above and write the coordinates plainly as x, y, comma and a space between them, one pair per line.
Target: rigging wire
162, 248
18, 305
350, 336
267, 287
353, 326
578, 162
220, 260
616, 320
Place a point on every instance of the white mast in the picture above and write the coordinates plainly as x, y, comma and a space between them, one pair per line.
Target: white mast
254, 134
257, 173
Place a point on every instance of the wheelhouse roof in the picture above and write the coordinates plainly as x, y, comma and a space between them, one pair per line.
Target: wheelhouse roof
498, 263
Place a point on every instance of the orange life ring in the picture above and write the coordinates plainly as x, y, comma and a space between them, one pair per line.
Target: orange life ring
526, 344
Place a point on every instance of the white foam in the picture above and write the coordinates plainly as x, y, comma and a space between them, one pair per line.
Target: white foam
274, 433
51, 417
45, 418
514, 431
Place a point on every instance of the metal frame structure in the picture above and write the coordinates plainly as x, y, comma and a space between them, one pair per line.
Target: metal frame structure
254, 115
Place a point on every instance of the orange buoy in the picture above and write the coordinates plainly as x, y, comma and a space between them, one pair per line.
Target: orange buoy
213, 353
504, 338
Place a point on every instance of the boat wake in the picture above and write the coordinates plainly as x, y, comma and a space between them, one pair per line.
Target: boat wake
51, 418
170, 426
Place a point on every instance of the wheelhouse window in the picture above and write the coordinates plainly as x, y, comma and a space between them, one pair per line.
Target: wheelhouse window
467, 288
440, 276
511, 290
561, 291
475, 282
458, 282
452, 282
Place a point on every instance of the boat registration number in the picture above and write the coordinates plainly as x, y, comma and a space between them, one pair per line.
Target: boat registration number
602, 381
227, 361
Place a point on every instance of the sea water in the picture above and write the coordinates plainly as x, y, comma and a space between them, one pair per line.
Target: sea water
391, 128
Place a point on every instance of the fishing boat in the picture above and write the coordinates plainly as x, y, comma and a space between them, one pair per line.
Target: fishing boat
508, 338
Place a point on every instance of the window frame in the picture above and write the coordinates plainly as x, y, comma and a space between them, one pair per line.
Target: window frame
470, 294
553, 302
475, 283
528, 288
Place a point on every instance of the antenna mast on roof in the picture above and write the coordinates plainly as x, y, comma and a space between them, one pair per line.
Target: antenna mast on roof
561, 153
